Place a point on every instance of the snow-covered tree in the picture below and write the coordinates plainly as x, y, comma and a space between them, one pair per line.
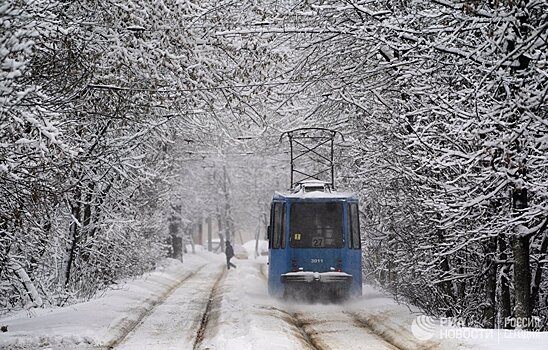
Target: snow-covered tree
446, 107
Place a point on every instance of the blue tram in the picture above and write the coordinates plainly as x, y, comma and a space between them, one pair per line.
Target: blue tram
314, 244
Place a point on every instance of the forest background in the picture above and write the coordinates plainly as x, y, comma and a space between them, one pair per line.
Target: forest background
120, 117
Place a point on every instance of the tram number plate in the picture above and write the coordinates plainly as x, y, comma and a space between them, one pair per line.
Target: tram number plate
317, 242
316, 261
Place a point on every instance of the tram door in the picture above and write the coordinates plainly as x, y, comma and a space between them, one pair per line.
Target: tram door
278, 260
354, 254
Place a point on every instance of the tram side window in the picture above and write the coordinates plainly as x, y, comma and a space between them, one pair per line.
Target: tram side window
355, 241
278, 226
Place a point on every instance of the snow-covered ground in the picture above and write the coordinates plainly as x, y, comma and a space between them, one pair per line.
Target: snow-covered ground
200, 305
103, 320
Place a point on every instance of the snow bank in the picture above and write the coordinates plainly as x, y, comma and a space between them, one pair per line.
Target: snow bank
249, 246
407, 328
248, 318
101, 321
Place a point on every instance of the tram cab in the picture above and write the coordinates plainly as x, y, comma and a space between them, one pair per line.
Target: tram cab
314, 243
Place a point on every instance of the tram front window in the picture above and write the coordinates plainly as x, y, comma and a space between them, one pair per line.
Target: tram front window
316, 225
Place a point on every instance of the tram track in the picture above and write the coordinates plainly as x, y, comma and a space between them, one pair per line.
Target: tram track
338, 330
210, 313
298, 326
395, 337
317, 327
127, 326
306, 323
320, 329
165, 326
311, 337
369, 325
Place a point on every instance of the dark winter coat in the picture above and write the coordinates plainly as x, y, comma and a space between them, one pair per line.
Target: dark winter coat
229, 251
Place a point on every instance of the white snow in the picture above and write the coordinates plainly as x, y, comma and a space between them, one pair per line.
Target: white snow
317, 194
171, 303
98, 321
262, 248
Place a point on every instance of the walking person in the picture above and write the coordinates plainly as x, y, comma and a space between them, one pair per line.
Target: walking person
229, 251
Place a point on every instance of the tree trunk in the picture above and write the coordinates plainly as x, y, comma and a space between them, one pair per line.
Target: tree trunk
221, 233
176, 234
537, 276
447, 286
201, 232
74, 236
34, 298
490, 287
209, 234
522, 280
461, 285
229, 226
87, 220
177, 247
522, 269
190, 235
505, 302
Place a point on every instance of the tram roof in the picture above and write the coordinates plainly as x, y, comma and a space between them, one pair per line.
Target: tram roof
316, 195
314, 190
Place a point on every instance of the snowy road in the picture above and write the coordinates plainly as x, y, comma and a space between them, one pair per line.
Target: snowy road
211, 307
230, 310
199, 305
329, 329
246, 318
176, 322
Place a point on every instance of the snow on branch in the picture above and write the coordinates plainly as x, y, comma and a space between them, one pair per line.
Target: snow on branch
309, 30
32, 293
463, 7
524, 231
